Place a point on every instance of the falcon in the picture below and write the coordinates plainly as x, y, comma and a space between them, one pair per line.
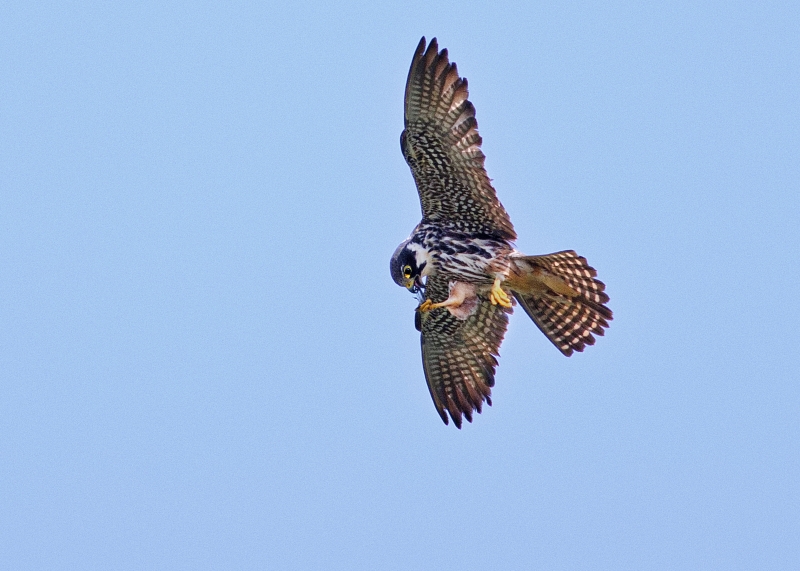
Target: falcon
460, 260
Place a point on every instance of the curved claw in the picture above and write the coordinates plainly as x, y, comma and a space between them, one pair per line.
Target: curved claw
426, 305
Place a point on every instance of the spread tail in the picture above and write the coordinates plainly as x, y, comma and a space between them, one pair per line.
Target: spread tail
559, 293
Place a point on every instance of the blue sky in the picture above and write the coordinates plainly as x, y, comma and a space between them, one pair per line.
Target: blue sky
206, 364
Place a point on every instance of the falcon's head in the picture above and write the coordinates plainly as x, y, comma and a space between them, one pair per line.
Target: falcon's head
409, 264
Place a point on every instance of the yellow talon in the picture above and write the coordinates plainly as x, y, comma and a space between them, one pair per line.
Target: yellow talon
497, 296
425, 306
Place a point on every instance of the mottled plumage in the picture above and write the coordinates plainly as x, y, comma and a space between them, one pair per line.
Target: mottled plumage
442, 146
461, 258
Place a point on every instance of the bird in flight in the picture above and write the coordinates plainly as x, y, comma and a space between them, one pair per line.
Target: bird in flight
460, 260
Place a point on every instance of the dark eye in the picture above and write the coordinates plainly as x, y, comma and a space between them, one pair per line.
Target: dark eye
407, 272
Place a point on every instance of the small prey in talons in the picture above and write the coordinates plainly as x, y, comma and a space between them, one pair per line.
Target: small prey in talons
461, 302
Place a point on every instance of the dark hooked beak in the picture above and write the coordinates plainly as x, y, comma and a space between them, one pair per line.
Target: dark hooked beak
415, 285
410, 286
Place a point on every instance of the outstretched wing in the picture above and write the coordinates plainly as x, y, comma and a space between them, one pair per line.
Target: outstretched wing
459, 356
442, 146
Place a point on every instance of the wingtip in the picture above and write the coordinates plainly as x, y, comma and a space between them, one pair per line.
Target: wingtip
442, 415
431, 53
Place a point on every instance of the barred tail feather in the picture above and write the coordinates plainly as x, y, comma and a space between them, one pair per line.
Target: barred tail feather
560, 294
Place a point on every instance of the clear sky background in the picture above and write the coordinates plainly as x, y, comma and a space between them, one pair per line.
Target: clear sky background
206, 365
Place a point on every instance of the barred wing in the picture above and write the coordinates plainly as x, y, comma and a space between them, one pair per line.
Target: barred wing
442, 146
459, 356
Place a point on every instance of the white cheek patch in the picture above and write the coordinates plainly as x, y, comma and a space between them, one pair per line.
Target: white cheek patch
421, 256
